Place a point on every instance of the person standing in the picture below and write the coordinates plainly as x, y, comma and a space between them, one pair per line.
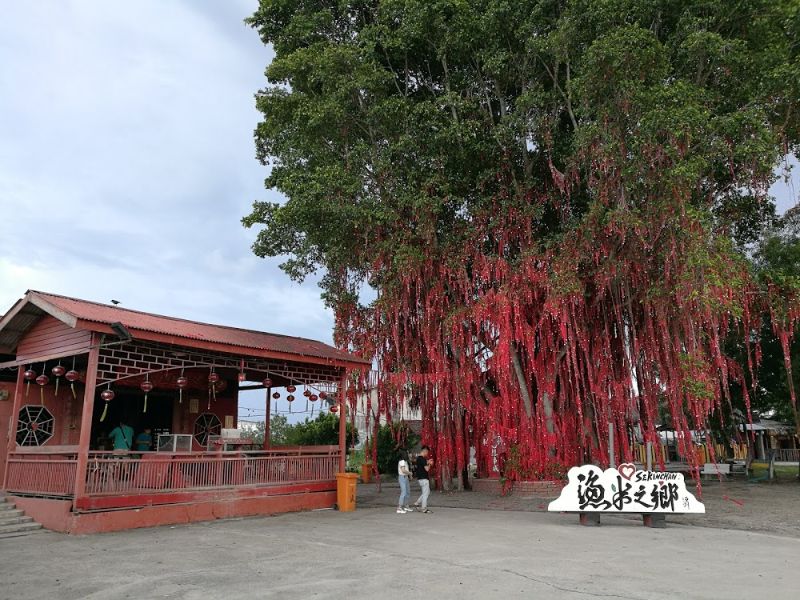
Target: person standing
403, 474
122, 436
422, 472
144, 441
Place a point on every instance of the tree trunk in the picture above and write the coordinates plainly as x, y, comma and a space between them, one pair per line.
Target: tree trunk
523, 382
459, 419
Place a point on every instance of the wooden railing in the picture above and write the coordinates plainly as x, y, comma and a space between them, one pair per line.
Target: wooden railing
159, 472
118, 473
785, 454
51, 474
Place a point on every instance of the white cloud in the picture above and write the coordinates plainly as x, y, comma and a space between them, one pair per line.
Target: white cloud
127, 162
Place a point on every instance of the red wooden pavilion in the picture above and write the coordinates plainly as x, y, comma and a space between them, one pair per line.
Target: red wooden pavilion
55, 462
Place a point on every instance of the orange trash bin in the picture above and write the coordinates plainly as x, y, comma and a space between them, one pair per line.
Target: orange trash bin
346, 491
366, 472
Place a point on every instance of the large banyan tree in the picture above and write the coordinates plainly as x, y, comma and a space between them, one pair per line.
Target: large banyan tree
552, 199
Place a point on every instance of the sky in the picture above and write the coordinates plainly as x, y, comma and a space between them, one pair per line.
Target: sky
127, 162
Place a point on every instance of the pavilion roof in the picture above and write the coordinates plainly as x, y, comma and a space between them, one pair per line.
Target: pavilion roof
99, 317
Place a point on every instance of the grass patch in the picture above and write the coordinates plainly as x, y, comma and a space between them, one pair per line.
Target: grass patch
759, 470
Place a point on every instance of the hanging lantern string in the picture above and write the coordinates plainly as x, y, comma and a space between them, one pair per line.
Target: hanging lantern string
72, 376
146, 387
42, 380
181, 384
58, 371
29, 375
107, 396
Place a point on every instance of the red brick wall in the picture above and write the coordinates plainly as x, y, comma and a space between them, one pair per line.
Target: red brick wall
532, 488
138, 357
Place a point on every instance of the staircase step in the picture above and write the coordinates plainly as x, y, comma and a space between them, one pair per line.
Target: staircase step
11, 514
16, 534
15, 520
6, 507
19, 527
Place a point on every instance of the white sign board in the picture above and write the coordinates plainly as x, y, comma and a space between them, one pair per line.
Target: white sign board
625, 490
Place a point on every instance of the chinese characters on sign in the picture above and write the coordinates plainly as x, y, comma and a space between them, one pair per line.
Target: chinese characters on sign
591, 489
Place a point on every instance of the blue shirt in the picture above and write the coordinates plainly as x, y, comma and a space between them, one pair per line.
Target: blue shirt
144, 441
122, 436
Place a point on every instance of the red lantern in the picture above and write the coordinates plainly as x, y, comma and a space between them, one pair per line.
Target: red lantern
72, 376
42, 380
323, 395
147, 387
242, 376
29, 376
276, 395
307, 393
213, 378
183, 383
57, 371
334, 408
313, 397
267, 383
290, 398
291, 389
107, 395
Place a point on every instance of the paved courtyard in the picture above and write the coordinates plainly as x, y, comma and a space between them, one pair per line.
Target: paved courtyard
375, 553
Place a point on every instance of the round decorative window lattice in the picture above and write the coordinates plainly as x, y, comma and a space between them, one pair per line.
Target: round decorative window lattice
34, 426
206, 424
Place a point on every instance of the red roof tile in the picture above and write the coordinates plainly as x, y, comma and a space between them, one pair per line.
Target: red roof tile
192, 330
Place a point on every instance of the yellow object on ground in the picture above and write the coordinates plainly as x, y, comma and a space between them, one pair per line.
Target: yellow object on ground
346, 491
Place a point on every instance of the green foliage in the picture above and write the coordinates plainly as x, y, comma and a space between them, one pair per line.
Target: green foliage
278, 428
776, 263
322, 431
355, 459
623, 148
778, 266
386, 124
393, 442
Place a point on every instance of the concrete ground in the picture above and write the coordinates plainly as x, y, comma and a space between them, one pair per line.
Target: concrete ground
730, 504
375, 553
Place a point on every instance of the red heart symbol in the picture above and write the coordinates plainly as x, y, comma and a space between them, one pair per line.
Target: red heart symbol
627, 470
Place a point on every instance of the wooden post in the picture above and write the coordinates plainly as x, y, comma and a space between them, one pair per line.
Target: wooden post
13, 420
342, 424
267, 418
656, 520
86, 418
612, 461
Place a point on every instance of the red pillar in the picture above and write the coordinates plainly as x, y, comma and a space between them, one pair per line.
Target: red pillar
267, 419
86, 419
13, 420
342, 424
